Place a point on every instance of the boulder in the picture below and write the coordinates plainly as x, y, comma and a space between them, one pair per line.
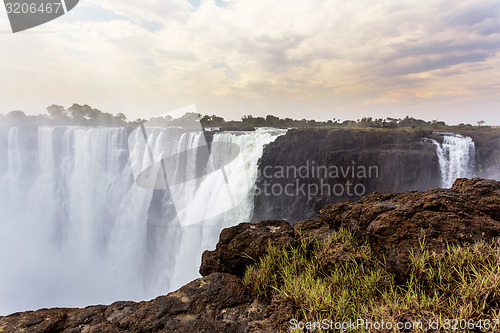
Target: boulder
396, 224
244, 244
312, 229
215, 303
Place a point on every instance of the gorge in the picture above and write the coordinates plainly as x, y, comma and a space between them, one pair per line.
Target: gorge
76, 230
404, 159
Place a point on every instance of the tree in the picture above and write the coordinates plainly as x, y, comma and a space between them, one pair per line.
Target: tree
272, 121
121, 117
78, 113
16, 115
56, 111
212, 120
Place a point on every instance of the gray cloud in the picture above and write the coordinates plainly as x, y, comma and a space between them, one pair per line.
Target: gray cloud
358, 51
475, 14
427, 64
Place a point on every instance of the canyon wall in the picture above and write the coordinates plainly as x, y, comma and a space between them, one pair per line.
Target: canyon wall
307, 169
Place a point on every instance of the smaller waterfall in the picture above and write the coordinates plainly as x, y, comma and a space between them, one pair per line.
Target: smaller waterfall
456, 158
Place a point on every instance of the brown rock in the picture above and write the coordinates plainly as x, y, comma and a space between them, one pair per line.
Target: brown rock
403, 161
215, 303
312, 229
397, 223
243, 245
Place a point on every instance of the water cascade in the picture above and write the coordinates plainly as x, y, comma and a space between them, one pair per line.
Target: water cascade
456, 158
75, 229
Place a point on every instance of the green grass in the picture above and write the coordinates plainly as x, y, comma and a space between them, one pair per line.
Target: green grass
340, 279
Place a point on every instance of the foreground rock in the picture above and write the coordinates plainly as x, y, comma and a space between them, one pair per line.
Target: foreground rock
396, 224
243, 244
216, 303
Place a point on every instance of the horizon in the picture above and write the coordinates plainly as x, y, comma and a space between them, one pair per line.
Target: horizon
433, 61
338, 120
335, 120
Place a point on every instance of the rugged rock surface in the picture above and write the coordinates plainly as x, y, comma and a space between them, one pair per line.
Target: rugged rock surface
394, 224
244, 244
400, 160
312, 229
215, 303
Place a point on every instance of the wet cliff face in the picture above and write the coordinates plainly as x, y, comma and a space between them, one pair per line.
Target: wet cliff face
487, 142
307, 169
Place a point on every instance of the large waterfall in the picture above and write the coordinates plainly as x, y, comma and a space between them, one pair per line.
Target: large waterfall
75, 229
456, 158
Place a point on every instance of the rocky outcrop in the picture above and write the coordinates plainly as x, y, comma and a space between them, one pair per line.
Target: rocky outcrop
392, 224
312, 229
396, 224
243, 245
215, 303
341, 165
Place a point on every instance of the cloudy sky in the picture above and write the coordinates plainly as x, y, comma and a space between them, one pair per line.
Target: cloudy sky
321, 59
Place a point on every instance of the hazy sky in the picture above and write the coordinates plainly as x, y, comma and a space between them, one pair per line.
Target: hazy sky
318, 59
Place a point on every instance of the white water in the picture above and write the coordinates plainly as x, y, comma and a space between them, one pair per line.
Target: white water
76, 230
456, 158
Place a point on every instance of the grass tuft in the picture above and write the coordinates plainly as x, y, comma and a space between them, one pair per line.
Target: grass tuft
340, 279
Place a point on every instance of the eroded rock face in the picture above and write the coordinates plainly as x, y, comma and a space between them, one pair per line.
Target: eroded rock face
215, 303
394, 224
244, 244
312, 229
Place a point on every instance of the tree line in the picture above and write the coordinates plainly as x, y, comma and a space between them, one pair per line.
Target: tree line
85, 115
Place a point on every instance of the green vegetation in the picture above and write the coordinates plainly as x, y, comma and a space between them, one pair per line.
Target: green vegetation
273, 121
85, 115
80, 115
339, 279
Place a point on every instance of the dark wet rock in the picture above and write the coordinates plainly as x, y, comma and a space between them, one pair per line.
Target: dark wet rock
394, 160
405, 159
244, 244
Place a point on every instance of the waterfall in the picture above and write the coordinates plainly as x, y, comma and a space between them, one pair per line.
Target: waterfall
75, 229
456, 158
